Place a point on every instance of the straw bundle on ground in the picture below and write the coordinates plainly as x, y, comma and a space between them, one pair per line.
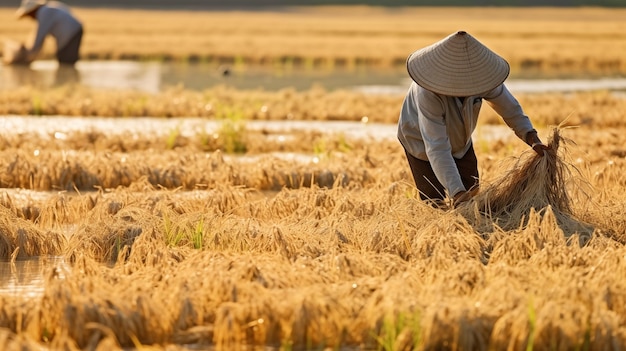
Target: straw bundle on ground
20, 238
534, 183
13, 53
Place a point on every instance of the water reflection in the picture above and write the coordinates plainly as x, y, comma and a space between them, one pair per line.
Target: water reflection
25, 278
125, 75
153, 77
16, 76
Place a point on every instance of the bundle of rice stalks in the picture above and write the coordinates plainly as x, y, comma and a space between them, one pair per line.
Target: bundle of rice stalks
534, 182
105, 240
14, 53
21, 239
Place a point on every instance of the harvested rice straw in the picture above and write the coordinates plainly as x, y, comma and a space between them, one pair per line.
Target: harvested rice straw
20, 239
534, 182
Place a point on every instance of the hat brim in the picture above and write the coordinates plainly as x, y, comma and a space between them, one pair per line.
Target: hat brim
458, 65
25, 10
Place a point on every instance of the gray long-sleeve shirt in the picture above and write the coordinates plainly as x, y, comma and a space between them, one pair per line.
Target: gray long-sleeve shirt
54, 18
436, 128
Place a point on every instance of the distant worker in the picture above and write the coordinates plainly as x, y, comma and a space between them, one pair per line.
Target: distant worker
53, 18
440, 112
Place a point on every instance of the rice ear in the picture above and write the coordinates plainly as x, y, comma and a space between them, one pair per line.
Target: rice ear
533, 182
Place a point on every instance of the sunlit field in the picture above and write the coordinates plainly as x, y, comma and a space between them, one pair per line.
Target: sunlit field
560, 41
229, 219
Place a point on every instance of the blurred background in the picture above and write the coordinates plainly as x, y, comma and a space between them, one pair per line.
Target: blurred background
145, 45
180, 4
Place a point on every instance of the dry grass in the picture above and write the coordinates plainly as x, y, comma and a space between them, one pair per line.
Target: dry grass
362, 264
331, 267
216, 103
560, 41
594, 108
181, 168
175, 239
21, 239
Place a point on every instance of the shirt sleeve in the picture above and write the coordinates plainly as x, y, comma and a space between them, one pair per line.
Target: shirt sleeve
438, 149
44, 25
505, 104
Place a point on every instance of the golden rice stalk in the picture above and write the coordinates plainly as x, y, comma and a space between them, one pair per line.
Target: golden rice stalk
534, 182
25, 237
104, 242
10, 340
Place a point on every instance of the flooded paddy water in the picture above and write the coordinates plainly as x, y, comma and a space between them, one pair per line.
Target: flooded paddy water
25, 278
153, 77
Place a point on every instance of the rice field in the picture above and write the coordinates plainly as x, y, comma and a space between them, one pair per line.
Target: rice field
573, 41
288, 220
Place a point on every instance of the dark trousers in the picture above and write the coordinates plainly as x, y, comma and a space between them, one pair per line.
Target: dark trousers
68, 55
427, 183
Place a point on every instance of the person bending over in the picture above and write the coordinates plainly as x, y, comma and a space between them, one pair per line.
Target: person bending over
451, 78
55, 19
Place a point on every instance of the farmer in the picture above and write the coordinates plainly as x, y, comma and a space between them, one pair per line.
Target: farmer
53, 18
450, 79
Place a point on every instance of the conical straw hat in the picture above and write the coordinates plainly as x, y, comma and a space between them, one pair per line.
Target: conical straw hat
28, 6
458, 65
